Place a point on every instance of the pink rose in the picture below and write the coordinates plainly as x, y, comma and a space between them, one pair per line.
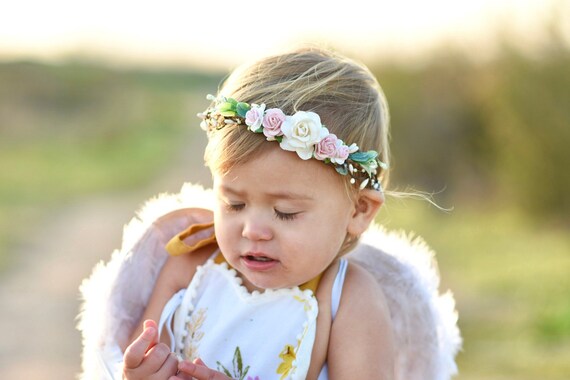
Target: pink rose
254, 117
326, 148
272, 122
341, 153
333, 148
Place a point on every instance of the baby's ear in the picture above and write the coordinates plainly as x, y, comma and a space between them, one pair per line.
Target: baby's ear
366, 206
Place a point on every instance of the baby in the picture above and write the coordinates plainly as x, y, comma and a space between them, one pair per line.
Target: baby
253, 280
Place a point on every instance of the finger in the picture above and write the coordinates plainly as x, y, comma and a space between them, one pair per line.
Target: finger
135, 353
155, 358
200, 372
169, 366
181, 376
149, 323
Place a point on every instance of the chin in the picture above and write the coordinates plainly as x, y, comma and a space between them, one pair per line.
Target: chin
260, 285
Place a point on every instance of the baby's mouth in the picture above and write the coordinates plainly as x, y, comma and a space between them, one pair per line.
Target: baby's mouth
262, 259
258, 261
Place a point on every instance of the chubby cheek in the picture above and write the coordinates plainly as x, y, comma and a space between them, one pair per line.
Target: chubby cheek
330, 242
306, 250
225, 234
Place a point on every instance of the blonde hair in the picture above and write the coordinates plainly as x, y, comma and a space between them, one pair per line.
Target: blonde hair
345, 94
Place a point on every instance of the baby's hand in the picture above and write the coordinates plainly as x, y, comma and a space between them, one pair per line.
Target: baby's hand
199, 371
145, 358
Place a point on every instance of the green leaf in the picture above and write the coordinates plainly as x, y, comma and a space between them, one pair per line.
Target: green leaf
279, 139
227, 103
226, 106
259, 130
245, 371
362, 157
237, 362
242, 108
227, 113
223, 369
341, 169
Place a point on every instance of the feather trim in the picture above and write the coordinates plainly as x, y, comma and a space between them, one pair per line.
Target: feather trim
114, 296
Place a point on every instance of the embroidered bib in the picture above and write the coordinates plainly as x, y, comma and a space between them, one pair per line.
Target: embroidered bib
256, 336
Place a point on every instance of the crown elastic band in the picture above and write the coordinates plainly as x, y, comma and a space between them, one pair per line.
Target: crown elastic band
301, 133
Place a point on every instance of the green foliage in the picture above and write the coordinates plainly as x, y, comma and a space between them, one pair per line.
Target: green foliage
363, 157
486, 131
231, 107
239, 372
528, 123
74, 130
511, 284
242, 108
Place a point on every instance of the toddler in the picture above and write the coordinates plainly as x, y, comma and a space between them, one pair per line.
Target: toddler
260, 287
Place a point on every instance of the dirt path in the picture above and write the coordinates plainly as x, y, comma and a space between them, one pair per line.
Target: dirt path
39, 296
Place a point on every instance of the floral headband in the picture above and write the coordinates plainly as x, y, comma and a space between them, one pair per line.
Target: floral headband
302, 133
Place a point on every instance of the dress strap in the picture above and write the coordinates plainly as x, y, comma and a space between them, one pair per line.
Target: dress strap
336, 293
337, 286
168, 313
191, 239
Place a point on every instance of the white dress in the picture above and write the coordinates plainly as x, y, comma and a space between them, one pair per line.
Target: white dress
256, 336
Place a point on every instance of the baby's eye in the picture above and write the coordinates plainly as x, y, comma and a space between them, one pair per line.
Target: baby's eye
235, 206
285, 215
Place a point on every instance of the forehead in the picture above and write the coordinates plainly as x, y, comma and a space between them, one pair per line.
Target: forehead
281, 172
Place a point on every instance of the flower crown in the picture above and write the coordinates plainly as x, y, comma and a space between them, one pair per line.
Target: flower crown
301, 133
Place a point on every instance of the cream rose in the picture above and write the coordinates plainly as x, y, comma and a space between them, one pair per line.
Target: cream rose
301, 132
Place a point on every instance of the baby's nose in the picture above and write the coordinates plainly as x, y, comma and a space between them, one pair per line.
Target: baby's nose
256, 229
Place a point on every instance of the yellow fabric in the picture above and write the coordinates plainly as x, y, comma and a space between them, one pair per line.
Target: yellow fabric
177, 247
220, 259
312, 284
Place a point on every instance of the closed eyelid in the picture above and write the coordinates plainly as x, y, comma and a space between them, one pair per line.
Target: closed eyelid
286, 215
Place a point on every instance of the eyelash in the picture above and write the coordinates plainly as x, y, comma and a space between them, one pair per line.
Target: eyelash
278, 214
236, 207
285, 216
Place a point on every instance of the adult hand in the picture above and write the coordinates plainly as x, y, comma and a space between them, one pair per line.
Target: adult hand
145, 358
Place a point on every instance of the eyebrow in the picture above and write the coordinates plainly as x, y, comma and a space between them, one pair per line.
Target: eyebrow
276, 195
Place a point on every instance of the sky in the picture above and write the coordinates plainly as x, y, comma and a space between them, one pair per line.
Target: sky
221, 34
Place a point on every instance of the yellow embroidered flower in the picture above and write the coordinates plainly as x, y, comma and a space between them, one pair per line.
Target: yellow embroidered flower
288, 355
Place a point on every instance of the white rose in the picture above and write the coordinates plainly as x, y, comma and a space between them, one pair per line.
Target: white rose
301, 132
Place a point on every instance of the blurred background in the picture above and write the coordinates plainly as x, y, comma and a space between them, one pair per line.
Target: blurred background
97, 114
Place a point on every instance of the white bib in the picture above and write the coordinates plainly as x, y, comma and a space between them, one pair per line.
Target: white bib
249, 336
